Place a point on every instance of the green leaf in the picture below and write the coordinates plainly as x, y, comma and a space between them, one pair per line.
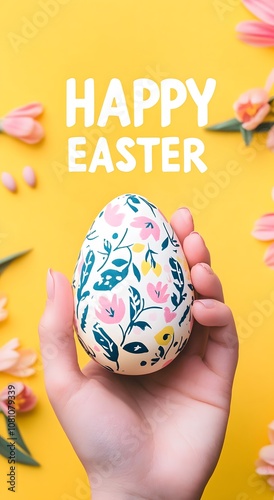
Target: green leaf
264, 127
20, 457
7, 260
232, 125
17, 435
247, 135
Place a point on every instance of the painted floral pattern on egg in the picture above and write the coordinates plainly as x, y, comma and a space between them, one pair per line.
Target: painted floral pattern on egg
132, 291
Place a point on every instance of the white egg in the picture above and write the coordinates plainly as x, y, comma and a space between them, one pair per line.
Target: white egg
132, 289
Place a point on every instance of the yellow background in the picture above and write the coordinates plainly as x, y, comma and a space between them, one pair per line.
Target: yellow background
128, 39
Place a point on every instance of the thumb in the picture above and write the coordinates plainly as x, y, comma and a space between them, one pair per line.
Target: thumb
57, 343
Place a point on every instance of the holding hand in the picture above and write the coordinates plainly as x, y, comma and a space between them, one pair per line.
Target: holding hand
156, 436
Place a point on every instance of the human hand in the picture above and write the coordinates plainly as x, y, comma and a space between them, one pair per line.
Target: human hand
156, 436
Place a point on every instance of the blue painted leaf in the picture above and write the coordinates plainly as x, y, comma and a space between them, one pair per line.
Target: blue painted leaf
174, 300
119, 262
136, 272
154, 361
86, 269
184, 315
135, 348
161, 351
110, 278
165, 244
84, 319
134, 199
142, 324
88, 349
179, 282
103, 339
134, 302
107, 246
191, 286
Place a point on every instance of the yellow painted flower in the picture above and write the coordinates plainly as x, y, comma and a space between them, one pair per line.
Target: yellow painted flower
164, 336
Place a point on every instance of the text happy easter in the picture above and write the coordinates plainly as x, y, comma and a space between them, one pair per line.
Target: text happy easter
171, 94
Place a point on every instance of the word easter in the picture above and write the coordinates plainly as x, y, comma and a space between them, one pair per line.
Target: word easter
171, 94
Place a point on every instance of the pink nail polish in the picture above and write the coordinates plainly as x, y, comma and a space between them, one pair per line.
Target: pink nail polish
207, 303
50, 285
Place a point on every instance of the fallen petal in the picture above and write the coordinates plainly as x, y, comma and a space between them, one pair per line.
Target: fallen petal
33, 109
9, 182
29, 176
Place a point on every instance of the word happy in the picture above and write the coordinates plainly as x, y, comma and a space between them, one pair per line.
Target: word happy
171, 94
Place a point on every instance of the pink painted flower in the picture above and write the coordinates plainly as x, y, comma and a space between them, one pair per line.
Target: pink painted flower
148, 228
112, 215
17, 362
25, 400
3, 312
253, 106
256, 33
21, 123
158, 293
265, 463
264, 231
111, 311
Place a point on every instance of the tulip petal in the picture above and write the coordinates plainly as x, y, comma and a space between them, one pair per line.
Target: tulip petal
271, 432
36, 135
256, 33
269, 256
18, 127
263, 9
264, 228
29, 110
270, 145
270, 81
258, 118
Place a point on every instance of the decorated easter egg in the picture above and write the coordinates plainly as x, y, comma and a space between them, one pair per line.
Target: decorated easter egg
132, 291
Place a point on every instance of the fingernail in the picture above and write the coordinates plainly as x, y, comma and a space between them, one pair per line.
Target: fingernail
185, 213
206, 267
194, 233
50, 285
208, 303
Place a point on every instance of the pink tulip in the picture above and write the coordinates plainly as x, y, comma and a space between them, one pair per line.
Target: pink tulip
24, 401
20, 123
158, 293
256, 33
3, 312
265, 463
17, 362
110, 311
252, 106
